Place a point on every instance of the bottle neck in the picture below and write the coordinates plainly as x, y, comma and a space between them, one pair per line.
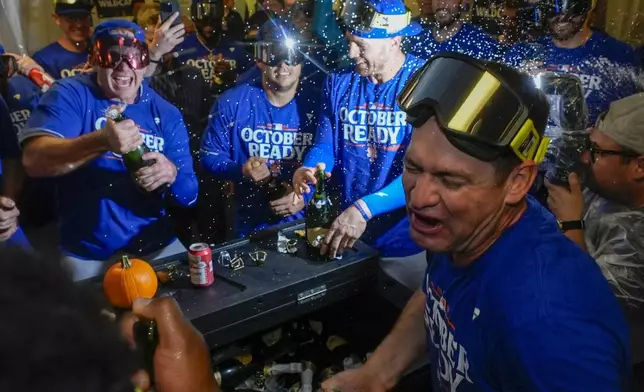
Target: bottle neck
320, 188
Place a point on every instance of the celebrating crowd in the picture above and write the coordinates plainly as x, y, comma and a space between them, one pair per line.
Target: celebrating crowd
433, 134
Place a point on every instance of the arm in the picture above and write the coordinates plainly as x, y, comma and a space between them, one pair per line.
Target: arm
52, 139
323, 148
48, 156
216, 146
389, 198
404, 344
13, 178
185, 189
577, 236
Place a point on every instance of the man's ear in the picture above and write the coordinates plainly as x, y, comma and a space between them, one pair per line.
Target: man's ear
56, 19
520, 182
637, 168
396, 41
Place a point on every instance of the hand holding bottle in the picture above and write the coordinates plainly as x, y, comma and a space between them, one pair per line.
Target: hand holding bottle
123, 136
181, 359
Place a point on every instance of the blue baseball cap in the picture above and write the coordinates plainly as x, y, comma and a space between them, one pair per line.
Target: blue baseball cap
1, 50
391, 19
108, 29
66, 7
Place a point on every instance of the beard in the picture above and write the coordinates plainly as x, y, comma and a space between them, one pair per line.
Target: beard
565, 33
443, 17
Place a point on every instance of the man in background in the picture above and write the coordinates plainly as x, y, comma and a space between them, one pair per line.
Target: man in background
603, 211
448, 33
607, 67
219, 59
68, 55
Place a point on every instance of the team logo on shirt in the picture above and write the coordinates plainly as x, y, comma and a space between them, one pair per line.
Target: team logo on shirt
19, 118
453, 365
276, 142
67, 73
374, 126
153, 142
207, 67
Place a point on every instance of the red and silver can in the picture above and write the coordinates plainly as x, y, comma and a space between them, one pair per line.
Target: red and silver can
200, 256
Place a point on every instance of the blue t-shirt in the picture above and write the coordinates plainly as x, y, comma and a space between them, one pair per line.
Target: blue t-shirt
205, 60
101, 210
364, 134
59, 62
533, 313
470, 40
23, 98
605, 66
243, 124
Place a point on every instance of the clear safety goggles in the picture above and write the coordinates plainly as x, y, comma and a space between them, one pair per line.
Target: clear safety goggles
478, 112
568, 108
111, 52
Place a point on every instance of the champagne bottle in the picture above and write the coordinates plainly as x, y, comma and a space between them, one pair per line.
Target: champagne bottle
319, 216
146, 336
234, 371
133, 160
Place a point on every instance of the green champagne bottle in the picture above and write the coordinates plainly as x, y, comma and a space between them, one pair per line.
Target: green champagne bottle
146, 336
319, 213
133, 160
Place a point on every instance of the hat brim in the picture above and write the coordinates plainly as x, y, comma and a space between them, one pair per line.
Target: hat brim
74, 11
413, 28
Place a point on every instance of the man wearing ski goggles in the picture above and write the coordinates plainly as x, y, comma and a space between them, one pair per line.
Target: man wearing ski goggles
479, 112
511, 295
72, 135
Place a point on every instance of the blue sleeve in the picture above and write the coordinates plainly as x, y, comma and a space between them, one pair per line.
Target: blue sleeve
185, 188
8, 139
58, 114
323, 149
389, 198
216, 143
559, 354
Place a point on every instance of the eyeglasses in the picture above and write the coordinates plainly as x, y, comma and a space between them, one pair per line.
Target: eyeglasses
595, 152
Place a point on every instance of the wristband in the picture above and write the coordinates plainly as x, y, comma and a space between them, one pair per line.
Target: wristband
362, 211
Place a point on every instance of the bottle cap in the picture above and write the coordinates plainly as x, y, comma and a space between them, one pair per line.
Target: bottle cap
321, 166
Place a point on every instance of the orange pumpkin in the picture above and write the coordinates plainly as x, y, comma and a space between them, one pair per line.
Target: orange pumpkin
128, 280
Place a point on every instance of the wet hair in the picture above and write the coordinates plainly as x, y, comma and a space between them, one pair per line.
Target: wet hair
52, 334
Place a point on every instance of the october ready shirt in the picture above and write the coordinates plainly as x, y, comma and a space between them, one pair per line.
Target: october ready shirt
59, 62
101, 209
363, 133
606, 67
533, 313
243, 124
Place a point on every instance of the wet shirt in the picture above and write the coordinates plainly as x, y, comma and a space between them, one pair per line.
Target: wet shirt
59, 62
607, 67
199, 56
244, 124
539, 317
364, 134
470, 40
101, 209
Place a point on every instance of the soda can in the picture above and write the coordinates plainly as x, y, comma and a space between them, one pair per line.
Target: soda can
200, 256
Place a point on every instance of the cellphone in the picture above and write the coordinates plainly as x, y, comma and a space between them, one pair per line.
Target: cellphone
169, 7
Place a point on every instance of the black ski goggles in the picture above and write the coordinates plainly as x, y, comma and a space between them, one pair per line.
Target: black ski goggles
362, 16
207, 11
111, 52
551, 8
477, 111
274, 53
